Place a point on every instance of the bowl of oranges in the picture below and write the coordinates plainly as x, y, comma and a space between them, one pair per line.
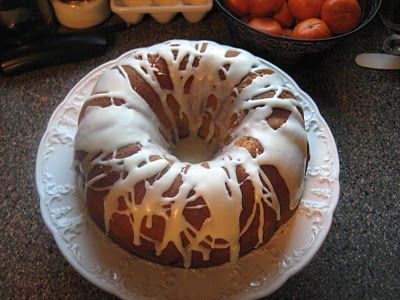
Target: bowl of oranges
290, 31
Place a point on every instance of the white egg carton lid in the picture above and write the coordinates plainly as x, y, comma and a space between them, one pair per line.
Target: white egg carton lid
161, 13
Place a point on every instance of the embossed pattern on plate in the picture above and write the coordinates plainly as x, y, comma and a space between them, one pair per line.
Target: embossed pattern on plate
111, 268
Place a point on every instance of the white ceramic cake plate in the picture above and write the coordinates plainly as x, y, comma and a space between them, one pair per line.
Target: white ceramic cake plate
118, 272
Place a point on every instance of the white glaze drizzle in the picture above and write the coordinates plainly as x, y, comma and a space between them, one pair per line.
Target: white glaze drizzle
108, 129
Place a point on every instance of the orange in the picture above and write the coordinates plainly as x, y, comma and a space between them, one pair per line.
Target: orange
287, 32
284, 16
263, 8
266, 25
238, 7
305, 9
341, 15
312, 28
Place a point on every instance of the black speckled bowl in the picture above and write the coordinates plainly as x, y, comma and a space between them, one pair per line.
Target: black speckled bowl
284, 50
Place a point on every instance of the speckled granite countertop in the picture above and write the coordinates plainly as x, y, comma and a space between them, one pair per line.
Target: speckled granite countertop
361, 255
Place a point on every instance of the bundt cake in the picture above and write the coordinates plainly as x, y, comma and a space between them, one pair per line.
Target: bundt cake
134, 167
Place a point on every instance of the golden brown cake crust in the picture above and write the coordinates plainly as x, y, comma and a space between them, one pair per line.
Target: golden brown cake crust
100, 172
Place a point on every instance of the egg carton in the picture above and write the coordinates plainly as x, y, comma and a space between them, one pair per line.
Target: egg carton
163, 14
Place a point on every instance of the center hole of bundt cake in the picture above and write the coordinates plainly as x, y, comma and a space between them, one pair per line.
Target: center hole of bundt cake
193, 149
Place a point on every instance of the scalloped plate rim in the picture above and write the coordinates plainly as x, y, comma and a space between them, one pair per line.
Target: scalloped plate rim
255, 294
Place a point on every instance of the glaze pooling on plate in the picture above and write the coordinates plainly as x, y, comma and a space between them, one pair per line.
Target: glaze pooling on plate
242, 89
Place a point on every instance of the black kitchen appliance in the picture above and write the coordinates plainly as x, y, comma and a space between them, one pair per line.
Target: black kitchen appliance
30, 37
